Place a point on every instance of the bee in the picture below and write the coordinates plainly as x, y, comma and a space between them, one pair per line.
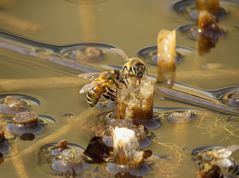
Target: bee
135, 67
216, 162
101, 85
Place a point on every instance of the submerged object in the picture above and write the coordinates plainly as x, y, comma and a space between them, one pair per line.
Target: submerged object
166, 44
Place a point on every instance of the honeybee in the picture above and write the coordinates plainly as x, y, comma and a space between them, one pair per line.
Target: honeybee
101, 84
135, 67
216, 161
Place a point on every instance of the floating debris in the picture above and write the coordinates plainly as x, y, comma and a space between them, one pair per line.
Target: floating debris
89, 54
231, 99
20, 101
28, 124
181, 116
62, 158
69, 161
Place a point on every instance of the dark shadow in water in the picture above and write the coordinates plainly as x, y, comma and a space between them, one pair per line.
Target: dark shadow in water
1, 158
97, 150
27, 137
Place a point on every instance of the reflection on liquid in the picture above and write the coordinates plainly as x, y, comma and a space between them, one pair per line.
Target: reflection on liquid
208, 32
85, 2
87, 22
191, 8
19, 24
211, 6
5, 4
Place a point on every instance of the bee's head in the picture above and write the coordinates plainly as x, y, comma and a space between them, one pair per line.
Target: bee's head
139, 69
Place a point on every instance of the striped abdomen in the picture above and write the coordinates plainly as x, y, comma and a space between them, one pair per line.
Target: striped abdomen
94, 95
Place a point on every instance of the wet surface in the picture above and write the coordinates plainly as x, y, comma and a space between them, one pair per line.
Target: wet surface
67, 114
188, 8
149, 54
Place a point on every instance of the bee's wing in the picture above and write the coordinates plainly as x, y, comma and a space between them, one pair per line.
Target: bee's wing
86, 88
89, 76
120, 52
232, 148
89, 86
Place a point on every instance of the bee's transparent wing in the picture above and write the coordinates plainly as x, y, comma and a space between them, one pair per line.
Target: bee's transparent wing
89, 76
89, 86
233, 148
86, 88
119, 52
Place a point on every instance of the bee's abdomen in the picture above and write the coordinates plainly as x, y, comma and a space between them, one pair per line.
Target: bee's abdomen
93, 95
234, 170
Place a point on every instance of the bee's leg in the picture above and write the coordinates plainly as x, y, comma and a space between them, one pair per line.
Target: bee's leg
126, 79
146, 71
124, 68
